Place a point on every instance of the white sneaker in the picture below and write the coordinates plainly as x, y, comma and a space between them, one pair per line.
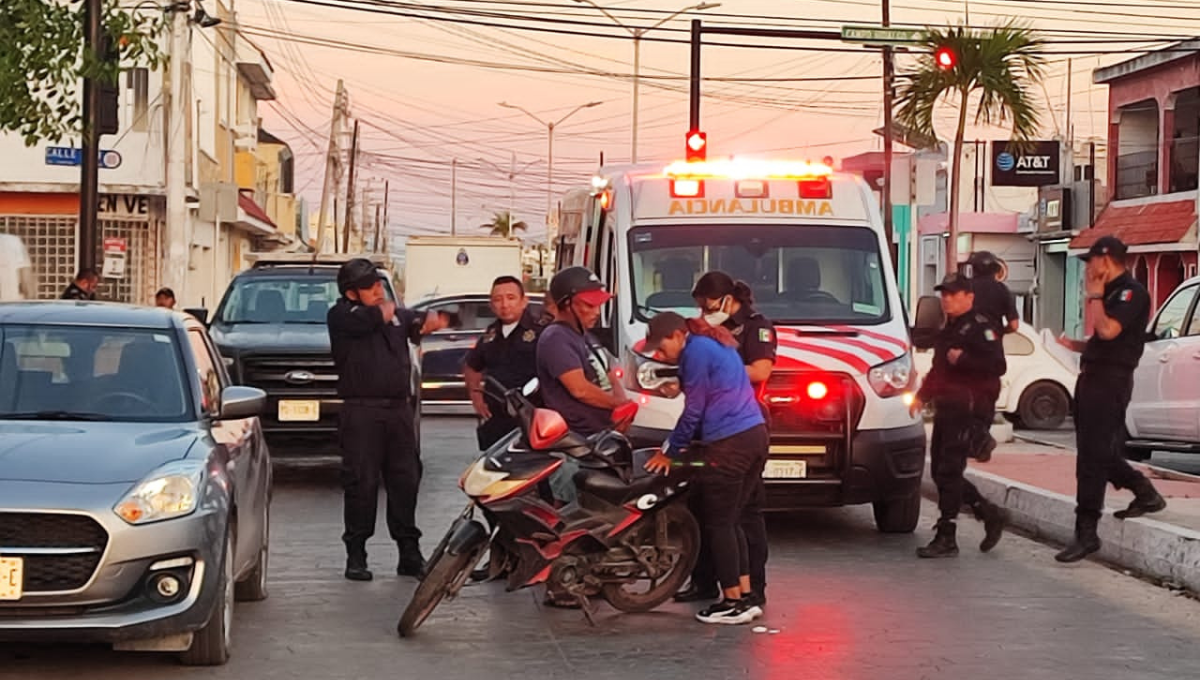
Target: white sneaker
729, 612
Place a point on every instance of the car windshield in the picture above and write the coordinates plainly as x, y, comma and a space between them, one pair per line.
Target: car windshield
304, 298
799, 274
91, 373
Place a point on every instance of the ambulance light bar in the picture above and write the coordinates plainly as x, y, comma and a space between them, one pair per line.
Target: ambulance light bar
748, 169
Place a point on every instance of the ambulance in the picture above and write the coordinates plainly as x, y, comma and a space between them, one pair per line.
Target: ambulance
810, 243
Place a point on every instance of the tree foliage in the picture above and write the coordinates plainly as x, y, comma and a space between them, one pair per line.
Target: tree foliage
42, 61
502, 225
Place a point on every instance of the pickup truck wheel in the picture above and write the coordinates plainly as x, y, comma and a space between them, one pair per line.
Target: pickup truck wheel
1044, 406
899, 516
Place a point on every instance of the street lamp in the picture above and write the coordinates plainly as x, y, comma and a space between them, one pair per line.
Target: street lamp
550, 147
637, 32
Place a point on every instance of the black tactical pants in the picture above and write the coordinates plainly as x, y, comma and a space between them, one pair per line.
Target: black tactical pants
378, 442
1101, 397
955, 424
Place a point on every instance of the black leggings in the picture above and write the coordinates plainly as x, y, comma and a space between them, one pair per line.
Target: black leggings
731, 474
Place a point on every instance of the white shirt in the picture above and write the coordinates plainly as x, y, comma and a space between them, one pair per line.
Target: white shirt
508, 328
13, 259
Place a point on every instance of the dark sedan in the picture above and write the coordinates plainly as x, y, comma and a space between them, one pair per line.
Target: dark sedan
443, 353
134, 485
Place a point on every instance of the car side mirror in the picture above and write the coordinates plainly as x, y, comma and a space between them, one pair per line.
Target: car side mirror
238, 401
928, 320
200, 313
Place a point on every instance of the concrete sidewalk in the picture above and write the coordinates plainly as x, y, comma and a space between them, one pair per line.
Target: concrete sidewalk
1037, 484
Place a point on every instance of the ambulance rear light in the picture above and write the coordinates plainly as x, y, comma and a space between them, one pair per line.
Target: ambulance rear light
606, 199
752, 188
687, 188
816, 187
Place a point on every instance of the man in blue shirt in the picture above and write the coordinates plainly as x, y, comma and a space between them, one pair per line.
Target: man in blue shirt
720, 403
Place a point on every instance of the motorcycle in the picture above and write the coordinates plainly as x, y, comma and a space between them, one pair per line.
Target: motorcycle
627, 538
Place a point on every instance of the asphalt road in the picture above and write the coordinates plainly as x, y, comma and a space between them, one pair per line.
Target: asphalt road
847, 604
1065, 436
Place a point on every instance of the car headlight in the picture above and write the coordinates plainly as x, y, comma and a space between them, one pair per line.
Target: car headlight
651, 375
892, 378
170, 491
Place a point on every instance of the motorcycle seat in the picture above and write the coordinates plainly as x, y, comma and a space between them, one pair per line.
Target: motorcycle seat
611, 488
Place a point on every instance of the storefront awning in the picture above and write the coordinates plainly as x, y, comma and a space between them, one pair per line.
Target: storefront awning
252, 218
1144, 224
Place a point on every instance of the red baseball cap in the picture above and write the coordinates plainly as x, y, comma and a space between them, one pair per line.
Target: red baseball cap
594, 297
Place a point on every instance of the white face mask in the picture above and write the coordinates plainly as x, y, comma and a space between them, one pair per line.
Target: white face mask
718, 317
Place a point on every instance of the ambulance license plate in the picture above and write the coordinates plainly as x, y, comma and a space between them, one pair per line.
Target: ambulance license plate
12, 577
785, 469
293, 411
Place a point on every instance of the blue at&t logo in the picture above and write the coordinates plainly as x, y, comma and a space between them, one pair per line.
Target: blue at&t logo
1005, 161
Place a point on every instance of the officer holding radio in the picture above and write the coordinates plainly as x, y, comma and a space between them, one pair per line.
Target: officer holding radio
369, 338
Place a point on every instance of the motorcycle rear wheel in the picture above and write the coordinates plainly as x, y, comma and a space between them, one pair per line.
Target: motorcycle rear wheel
442, 572
683, 533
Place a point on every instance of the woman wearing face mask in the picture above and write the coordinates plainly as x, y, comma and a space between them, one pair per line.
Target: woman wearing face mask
721, 413
729, 304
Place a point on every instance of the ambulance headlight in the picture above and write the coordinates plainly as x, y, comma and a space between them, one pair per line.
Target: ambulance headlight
651, 376
891, 379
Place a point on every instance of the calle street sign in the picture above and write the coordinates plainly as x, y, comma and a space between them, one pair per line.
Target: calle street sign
880, 35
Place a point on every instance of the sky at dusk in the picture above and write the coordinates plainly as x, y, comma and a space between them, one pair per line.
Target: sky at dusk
427, 92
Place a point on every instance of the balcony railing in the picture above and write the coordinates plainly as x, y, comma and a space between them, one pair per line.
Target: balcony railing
1137, 175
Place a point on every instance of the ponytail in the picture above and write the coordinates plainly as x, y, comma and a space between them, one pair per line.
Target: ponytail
742, 293
718, 333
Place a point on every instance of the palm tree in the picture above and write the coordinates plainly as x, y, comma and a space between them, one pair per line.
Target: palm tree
996, 68
502, 225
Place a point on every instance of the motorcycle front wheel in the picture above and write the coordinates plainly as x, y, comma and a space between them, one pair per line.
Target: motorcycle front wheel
443, 572
681, 548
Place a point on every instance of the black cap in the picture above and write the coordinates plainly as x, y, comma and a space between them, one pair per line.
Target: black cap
661, 327
1106, 245
954, 283
578, 282
358, 274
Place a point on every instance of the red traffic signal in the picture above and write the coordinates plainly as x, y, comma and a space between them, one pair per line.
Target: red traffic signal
697, 146
945, 58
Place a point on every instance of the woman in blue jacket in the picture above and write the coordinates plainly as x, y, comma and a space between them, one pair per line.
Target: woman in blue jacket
720, 407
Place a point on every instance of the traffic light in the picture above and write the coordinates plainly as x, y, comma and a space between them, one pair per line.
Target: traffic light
945, 57
108, 93
697, 146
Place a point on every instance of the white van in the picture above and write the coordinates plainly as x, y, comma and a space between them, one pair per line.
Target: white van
810, 244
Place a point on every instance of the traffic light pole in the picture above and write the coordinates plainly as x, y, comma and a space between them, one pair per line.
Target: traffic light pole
89, 176
694, 89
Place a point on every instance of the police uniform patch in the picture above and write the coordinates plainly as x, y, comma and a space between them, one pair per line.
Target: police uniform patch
764, 335
990, 335
1126, 295
529, 336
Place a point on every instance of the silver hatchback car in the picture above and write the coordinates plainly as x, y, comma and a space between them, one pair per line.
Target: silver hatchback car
135, 484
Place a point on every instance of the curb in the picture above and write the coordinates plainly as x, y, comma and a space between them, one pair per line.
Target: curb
1146, 546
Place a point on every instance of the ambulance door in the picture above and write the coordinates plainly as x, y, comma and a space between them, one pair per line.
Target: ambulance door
605, 267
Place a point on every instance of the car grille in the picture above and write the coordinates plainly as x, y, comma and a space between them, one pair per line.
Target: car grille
47, 573
284, 372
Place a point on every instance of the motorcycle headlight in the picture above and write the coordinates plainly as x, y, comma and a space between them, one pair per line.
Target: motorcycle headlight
170, 491
892, 378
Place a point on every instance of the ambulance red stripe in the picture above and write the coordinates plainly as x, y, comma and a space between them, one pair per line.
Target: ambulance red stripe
853, 360
891, 340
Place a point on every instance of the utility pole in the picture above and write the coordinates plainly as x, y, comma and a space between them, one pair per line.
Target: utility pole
454, 197
178, 232
350, 190
694, 78
889, 72
377, 223
89, 178
332, 165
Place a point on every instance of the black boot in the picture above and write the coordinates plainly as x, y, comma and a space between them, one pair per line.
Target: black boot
356, 564
943, 543
1145, 501
1086, 541
412, 563
987, 445
994, 519
697, 593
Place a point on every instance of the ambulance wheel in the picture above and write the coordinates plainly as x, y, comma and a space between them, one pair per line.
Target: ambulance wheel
898, 516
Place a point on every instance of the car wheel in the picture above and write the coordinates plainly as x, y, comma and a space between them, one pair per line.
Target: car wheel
1044, 406
210, 644
254, 587
898, 516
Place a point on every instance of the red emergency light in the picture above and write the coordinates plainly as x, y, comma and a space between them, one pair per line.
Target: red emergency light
816, 187
945, 57
697, 146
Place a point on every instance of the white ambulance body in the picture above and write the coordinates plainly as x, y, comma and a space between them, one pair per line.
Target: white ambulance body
810, 244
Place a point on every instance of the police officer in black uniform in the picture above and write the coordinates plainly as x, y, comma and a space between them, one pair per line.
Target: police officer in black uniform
968, 361
729, 303
994, 300
507, 353
369, 339
1121, 309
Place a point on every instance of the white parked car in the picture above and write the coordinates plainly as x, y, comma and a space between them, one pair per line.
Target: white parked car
1164, 413
1038, 388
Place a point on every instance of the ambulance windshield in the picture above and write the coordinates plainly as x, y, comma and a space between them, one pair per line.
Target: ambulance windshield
799, 274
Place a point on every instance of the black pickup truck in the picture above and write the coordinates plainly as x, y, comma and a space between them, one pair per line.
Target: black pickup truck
270, 328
